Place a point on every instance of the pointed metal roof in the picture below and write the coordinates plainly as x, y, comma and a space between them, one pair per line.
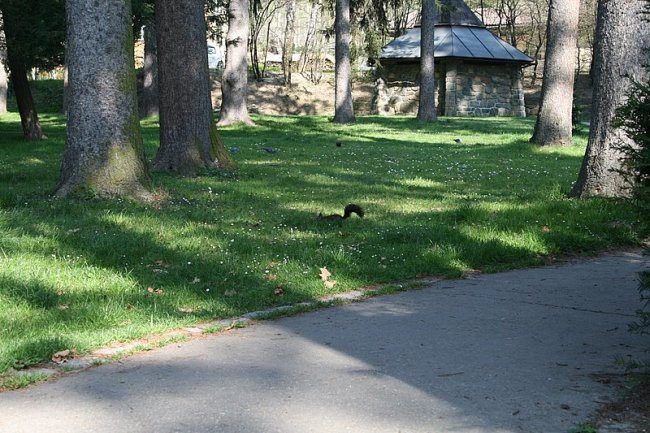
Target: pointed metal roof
456, 12
459, 33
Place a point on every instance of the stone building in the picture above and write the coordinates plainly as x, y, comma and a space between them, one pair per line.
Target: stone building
477, 74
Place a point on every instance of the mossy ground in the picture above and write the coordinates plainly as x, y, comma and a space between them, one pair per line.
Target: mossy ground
82, 273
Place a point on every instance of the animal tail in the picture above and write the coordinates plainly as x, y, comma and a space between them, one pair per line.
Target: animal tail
353, 208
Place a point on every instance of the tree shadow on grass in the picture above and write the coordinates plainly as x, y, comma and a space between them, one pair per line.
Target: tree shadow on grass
213, 255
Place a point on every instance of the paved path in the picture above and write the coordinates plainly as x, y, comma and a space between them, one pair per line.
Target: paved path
519, 351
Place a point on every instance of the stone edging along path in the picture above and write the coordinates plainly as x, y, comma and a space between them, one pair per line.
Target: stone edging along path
68, 362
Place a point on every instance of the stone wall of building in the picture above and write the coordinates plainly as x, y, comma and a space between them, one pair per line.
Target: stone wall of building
476, 89
471, 89
397, 91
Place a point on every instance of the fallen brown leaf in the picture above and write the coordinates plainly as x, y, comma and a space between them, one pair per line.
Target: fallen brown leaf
153, 291
62, 356
279, 291
325, 274
546, 229
330, 284
271, 277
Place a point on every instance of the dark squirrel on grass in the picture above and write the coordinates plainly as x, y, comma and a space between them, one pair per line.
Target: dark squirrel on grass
349, 210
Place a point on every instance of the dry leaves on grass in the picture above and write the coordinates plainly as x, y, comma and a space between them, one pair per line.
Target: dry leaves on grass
271, 277
279, 290
153, 291
325, 276
63, 356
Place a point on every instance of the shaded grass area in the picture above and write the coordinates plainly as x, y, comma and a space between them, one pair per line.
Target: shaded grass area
76, 274
47, 94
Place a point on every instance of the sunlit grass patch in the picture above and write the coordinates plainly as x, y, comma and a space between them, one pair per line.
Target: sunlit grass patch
82, 273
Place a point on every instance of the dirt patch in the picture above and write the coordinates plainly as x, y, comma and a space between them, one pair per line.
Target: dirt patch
270, 97
630, 415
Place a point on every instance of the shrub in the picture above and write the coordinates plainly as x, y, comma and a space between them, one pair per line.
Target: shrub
634, 119
642, 325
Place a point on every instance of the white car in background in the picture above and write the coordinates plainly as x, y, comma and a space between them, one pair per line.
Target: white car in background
215, 58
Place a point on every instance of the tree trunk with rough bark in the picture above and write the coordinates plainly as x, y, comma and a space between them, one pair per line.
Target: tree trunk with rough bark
18, 73
103, 153
621, 55
427, 109
150, 73
554, 125
234, 83
23, 93
66, 88
287, 48
3, 75
189, 141
344, 110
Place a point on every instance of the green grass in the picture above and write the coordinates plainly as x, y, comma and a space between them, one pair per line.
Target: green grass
584, 428
18, 381
75, 273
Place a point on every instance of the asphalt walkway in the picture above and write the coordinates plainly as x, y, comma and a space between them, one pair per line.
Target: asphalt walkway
523, 351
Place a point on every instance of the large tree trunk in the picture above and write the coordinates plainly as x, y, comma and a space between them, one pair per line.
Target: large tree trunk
103, 150
554, 122
287, 48
234, 84
150, 105
427, 109
621, 54
23, 93
189, 141
66, 87
344, 110
3, 75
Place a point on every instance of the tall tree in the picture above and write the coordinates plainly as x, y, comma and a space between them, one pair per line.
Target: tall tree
554, 123
309, 36
287, 47
3, 75
22, 92
103, 150
189, 140
621, 54
344, 110
261, 14
427, 107
35, 35
234, 84
150, 106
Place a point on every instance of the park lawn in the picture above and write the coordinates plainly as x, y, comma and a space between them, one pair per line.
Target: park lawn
77, 274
